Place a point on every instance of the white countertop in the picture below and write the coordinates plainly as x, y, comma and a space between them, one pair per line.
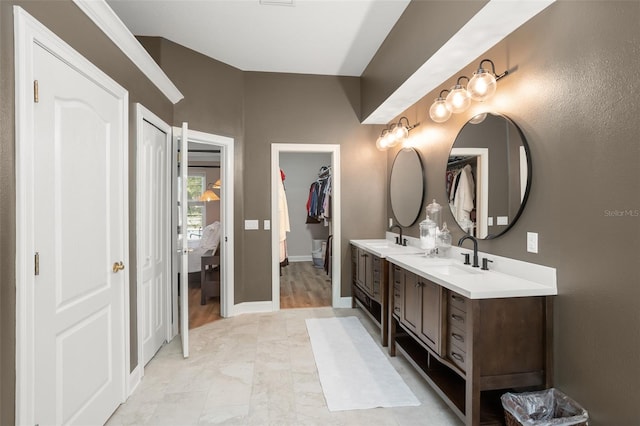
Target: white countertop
470, 282
506, 277
383, 248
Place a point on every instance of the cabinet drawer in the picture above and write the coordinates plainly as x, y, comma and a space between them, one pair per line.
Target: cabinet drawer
458, 357
457, 318
458, 301
457, 337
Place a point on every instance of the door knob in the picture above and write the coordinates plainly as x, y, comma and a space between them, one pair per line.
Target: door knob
118, 266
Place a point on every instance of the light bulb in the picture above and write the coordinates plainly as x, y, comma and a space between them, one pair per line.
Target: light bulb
482, 85
380, 143
400, 133
458, 99
439, 111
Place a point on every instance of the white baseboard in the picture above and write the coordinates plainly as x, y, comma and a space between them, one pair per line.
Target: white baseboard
343, 302
252, 308
307, 258
135, 377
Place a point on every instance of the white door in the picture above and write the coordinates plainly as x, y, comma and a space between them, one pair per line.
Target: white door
183, 248
153, 231
80, 235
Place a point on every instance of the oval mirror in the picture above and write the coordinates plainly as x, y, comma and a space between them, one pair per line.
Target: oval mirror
488, 175
406, 187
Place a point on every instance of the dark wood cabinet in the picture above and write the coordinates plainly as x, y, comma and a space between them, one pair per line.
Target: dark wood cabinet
370, 288
471, 350
419, 307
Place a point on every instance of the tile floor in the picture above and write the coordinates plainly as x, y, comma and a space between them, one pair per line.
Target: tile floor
258, 369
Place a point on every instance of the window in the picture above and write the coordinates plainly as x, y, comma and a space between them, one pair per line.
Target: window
196, 213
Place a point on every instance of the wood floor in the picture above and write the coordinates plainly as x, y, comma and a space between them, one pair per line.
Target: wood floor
301, 286
304, 286
201, 314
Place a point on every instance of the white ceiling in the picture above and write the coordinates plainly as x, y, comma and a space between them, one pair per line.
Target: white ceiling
329, 37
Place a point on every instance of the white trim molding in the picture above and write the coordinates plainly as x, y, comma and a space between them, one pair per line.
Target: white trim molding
336, 271
106, 19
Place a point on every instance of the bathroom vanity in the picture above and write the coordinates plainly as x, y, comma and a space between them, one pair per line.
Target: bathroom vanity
370, 279
472, 334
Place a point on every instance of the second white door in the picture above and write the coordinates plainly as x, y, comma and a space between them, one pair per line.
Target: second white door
153, 231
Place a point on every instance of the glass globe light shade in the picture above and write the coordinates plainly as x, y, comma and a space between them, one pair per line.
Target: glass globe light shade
380, 143
458, 99
482, 85
400, 133
439, 111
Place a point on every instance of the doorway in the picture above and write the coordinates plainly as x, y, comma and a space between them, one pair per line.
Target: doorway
332, 153
204, 184
305, 273
180, 224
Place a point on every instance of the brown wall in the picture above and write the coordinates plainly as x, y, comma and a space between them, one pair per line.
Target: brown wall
291, 108
423, 27
572, 92
70, 24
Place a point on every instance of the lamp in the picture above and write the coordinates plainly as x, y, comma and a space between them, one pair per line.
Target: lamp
483, 83
209, 195
217, 184
394, 134
439, 111
458, 99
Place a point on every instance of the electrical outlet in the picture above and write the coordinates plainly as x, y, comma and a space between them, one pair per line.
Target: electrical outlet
490, 221
532, 242
267, 224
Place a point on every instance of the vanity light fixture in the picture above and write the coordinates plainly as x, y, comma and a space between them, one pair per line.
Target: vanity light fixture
458, 99
209, 195
439, 111
483, 83
481, 87
395, 134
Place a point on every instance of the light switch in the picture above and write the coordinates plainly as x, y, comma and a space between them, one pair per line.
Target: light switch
251, 224
503, 220
532, 242
267, 224
490, 221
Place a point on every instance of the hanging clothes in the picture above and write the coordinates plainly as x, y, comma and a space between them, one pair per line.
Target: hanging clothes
319, 200
463, 195
283, 214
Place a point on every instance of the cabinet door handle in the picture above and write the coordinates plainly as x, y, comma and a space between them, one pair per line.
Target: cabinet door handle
458, 298
457, 337
457, 317
457, 356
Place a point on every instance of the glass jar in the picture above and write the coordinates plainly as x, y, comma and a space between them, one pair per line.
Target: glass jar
434, 213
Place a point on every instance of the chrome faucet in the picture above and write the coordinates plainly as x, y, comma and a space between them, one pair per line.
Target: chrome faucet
475, 248
398, 239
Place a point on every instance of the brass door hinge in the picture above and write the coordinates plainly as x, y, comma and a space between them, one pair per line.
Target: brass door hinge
36, 97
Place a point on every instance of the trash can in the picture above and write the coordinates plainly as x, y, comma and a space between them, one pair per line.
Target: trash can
544, 408
317, 253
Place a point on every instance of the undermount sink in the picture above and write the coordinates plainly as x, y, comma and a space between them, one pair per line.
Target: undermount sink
453, 270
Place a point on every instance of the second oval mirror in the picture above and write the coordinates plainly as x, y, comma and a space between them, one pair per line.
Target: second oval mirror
406, 187
488, 175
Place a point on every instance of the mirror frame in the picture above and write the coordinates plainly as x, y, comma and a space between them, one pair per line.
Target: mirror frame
527, 188
424, 187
